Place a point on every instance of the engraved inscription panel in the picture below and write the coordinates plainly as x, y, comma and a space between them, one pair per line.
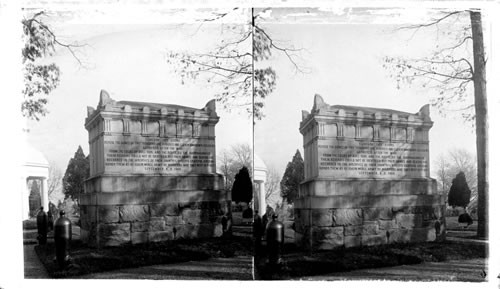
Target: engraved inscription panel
368, 159
154, 155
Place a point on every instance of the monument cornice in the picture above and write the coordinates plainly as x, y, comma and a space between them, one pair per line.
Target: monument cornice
108, 107
366, 121
322, 111
169, 118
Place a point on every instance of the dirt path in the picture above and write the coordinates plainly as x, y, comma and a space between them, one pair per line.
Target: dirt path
461, 270
237, 268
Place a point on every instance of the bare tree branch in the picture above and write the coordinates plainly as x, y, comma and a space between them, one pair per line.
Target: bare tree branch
68, 46
448, 70
233, 61
426, 72
431, 23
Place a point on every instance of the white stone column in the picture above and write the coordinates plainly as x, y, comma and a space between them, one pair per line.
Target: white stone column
262, 198
45, 194
259, 177
26, 196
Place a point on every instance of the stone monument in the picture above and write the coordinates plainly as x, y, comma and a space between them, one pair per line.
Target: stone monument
152, 174
366, 178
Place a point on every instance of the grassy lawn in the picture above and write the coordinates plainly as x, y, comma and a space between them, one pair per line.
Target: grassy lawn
297, 264
29, 224
85, 260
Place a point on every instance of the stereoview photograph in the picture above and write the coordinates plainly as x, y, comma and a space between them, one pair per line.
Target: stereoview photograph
268, 143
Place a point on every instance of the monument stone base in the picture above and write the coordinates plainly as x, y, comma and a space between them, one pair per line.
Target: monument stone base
119, 210
352, 213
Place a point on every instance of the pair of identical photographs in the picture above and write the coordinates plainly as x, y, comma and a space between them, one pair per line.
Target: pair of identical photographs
263, 66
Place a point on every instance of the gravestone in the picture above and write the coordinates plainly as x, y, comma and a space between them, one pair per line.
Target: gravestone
152, 174
366, 179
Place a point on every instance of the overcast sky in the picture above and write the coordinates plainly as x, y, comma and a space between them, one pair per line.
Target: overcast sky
342, 52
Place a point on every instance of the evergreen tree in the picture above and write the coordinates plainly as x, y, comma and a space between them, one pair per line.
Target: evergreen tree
242, 187
78, 170
294, 174
459, 195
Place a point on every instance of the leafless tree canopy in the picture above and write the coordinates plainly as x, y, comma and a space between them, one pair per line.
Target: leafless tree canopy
231, 66
232, 160
54, 184
272, 185
448, 71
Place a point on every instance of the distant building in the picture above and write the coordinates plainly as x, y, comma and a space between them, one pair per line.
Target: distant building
35, 169
260, 173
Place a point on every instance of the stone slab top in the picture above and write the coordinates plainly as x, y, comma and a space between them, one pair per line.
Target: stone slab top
343, 112
138, 108
153, 106
368, 110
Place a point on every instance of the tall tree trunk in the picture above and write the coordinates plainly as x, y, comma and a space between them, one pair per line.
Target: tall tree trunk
481, 123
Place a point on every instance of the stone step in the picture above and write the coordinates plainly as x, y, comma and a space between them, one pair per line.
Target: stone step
247, 229
30, 234
242, 234
242, 230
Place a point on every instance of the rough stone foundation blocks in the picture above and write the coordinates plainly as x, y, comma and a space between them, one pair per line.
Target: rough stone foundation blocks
134, 213
345, 217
